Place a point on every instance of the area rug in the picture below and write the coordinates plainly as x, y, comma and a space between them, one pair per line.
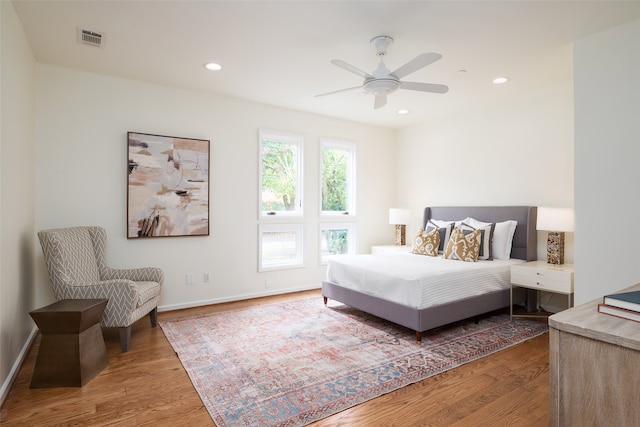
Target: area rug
293, 363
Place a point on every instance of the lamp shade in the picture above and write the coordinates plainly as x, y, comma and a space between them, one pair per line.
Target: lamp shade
399, 216
555, 219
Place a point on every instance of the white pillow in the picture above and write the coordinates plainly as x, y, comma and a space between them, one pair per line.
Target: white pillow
507, 229
502, 237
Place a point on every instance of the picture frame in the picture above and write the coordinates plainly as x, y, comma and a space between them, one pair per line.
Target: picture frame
167, 186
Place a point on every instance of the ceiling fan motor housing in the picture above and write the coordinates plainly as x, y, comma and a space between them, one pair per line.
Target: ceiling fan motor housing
381, 86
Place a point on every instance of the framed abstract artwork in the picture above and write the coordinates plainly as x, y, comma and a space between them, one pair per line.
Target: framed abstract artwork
167, 186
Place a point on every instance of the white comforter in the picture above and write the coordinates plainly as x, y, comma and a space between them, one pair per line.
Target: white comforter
418, 281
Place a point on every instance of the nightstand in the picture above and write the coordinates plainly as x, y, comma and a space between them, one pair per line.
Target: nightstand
378, 249
541, 276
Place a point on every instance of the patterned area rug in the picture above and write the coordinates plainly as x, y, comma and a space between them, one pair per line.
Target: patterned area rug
290, 364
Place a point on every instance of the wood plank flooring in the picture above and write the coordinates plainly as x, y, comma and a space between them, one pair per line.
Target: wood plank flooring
148, 386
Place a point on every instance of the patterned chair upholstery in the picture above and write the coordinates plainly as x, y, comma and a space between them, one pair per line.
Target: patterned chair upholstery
75, 259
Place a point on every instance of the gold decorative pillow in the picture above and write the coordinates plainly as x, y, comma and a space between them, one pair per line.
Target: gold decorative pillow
486, 237
426, 242
464, 247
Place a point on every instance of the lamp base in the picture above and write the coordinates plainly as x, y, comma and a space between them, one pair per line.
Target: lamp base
555, 247
400, 234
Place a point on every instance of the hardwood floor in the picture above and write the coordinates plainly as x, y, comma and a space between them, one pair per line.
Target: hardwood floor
148, 386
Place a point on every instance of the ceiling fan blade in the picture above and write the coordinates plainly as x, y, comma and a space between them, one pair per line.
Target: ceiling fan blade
339, 90
381, 101
340, 63
424, 87
416, 63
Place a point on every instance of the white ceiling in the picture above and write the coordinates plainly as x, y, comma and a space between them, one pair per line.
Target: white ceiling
279, 52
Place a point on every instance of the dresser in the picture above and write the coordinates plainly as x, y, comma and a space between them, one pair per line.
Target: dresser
594, 368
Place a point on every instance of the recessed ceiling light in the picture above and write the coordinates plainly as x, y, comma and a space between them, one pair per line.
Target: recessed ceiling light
403, 111
213, 66
500, 80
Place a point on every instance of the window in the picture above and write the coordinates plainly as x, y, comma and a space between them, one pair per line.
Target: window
337, 177
280, 174
280, 246
337, 197
336, 239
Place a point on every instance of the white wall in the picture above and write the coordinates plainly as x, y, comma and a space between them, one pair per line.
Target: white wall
81, 176
17, 124
607, 109
518, 152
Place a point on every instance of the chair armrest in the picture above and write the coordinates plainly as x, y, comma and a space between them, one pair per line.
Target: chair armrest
144, 274
123, 291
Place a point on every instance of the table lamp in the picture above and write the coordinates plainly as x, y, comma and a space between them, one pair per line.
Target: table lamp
400, 218
556, 221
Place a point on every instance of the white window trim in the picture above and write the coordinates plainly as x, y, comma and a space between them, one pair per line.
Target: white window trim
351, 245
351, 174
289, 138
299, 229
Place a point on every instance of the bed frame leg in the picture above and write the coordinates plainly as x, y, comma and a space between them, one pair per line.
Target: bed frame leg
325, 300
419, 336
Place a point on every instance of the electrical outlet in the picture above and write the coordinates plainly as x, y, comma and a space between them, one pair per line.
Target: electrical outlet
189, 278
267, 283
205, 278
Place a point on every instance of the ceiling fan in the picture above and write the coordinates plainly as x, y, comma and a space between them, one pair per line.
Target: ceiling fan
383, 82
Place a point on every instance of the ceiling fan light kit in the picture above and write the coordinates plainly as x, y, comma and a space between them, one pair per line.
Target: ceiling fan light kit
383, 82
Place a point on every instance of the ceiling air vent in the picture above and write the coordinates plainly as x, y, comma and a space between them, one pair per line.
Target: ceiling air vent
92, 38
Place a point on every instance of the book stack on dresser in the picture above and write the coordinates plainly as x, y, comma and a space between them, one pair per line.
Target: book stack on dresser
625, 305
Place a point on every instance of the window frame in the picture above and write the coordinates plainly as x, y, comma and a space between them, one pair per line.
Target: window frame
289, 138
351, 176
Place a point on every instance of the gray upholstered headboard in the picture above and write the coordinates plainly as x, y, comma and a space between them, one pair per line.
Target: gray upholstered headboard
525, 239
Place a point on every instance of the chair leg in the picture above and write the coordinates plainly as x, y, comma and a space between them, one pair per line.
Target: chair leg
153, 315
125, 338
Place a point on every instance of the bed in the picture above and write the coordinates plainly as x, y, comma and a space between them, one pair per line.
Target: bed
396, 304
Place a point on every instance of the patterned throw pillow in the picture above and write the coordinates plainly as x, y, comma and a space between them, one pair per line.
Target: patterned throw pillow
426, 243
486, 237
464, 247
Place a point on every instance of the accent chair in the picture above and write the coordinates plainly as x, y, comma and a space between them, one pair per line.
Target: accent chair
75, 259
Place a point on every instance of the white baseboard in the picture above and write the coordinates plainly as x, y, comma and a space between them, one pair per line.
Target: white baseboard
15, 369
238, 297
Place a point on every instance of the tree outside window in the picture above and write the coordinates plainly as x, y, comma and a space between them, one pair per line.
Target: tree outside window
338, 178
336, 239
280, 174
